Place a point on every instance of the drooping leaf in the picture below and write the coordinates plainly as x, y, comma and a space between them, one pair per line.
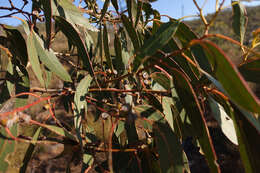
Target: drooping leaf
156, 42
248, 131
29, 152
132, 10
72, 14
60, 131
227, 74
80, 102
225, 122
171, 155
47, 9
33, 58
118, 63
239, 19
106, 47
104, 9
49, 59
192, 107
131, 32
114, 2
251, 70
18, 44
72, 34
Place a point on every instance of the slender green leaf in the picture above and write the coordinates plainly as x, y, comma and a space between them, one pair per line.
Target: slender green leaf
80, 102
248, 131
106, 47
191, 105
72, 34
33, 57
239, 19
114, 2
47, 9
132, 10
157, 41
131, 32
60, 131
119, 65
29, 151
49, 59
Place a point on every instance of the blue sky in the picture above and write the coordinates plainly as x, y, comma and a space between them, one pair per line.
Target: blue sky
173, 8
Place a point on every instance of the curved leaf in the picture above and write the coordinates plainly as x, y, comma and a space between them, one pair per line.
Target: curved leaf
227, 74
33, 58
225, 122
50, 59
72, 34
80, 103
191, 105
239, 19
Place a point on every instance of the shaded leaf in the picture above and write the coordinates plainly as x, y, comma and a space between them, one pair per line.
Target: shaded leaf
106, 47
162, 79
60, 131
47, 9
251, 70
157, 41
6, 147
239, 19
248, 131
131, 32
104, 9
72, 34
29, 152
191, 105
18, 44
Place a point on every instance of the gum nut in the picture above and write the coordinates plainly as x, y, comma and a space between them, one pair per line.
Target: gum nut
145, 75
105, 115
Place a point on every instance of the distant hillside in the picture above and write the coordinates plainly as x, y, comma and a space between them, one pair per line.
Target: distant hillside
223, 25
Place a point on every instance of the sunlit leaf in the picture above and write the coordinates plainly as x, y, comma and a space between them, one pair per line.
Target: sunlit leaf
67, 10
227, 74
33, 58
225, 122
80, 102
49, 59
